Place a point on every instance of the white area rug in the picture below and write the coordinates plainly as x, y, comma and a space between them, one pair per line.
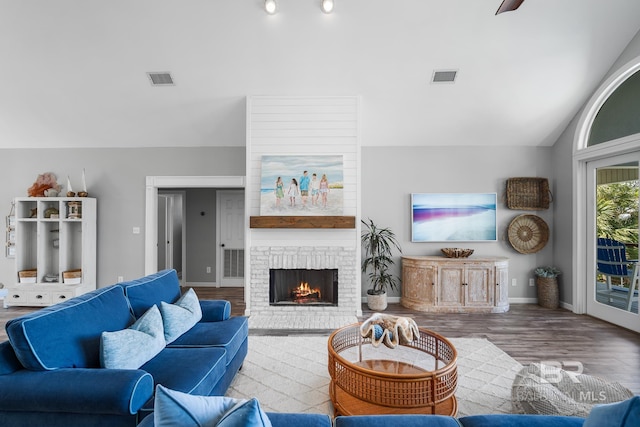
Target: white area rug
289, 374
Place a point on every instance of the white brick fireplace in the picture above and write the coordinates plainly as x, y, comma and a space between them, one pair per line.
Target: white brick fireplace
262, 259
309, 126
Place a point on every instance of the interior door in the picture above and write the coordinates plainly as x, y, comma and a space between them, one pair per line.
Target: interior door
231, 214
612, 213
164, 224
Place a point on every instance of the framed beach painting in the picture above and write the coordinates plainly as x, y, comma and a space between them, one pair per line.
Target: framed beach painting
301, 185
453, 217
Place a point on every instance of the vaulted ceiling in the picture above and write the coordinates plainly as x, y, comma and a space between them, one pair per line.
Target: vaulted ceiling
73, 72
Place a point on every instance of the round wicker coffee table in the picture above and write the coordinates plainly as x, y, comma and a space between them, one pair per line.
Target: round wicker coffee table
419, 378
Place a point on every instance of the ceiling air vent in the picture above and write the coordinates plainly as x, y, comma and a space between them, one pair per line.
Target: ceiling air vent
444, 76
161, 79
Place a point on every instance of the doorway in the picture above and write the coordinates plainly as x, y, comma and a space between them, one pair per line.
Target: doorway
153, 186
612, 242
171, 231
230, 214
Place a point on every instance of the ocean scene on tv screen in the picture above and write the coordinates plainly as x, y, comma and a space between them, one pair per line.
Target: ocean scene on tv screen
441, 217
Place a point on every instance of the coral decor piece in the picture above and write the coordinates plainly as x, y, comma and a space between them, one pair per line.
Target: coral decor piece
389, 330
43, 183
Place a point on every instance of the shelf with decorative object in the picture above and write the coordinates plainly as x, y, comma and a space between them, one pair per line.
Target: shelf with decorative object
302, 222
455, 285
55, 249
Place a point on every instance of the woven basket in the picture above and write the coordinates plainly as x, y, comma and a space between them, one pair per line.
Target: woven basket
528, 193
548, 292
457, 252
528, 233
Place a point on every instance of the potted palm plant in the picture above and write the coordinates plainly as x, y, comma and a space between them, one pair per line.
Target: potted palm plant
378, 244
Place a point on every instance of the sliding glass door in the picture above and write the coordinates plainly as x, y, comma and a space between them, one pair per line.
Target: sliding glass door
612, 243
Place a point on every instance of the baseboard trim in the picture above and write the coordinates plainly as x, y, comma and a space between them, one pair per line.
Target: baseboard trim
201, 284
566, 306
390, 300
523, 300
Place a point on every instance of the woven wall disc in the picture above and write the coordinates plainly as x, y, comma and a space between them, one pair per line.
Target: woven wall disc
528, 233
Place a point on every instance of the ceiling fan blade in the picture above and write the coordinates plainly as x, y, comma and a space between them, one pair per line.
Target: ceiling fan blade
509, 5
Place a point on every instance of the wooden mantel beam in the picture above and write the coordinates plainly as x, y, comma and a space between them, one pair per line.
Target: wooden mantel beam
302, 222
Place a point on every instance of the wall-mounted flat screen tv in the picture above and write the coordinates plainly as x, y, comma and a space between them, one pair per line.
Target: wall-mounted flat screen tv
453, 217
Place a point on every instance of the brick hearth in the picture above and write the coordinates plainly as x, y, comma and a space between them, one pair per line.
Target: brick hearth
265, 316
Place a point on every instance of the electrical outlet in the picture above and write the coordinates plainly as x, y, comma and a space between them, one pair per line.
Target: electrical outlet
120, 279
208, 269
532, 281
514, 282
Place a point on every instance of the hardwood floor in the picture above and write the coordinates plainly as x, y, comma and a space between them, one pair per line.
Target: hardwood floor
528, 333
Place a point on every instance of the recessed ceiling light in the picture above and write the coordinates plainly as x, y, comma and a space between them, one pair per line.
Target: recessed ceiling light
270, 6
326, 6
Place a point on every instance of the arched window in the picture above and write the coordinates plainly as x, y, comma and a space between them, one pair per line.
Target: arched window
619, 115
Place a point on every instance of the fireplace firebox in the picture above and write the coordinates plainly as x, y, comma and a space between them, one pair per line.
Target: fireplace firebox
300, 286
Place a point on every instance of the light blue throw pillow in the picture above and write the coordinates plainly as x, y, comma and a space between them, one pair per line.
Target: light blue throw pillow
619, 414
176, 409
133, 347
179, 317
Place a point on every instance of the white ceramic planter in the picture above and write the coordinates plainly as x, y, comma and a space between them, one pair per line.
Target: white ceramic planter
377, 302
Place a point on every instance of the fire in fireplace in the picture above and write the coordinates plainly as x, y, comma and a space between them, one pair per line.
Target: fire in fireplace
303, 286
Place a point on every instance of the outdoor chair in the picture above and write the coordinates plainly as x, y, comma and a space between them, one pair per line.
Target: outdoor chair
612, 262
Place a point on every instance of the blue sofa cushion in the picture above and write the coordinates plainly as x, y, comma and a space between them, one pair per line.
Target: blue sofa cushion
246, 414
74, 391
188, 370
9, 363
179, 317
132, 347
215, 310
619, 414
279, 419
228, 334
497, 420
299, 419
67, 335
152, 290
396, 420
176, 409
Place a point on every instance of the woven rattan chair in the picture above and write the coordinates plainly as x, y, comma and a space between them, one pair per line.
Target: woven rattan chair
612, 262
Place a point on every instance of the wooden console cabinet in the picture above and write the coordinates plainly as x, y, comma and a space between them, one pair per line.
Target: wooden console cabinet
455, 285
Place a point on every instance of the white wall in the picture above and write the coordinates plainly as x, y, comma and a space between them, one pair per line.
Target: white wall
390, 175
303, 125
116, 177
561, 158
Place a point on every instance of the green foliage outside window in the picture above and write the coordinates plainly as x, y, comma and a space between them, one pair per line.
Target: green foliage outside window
617, 214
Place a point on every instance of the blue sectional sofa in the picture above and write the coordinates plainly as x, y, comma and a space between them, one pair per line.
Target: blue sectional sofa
470, 421
619, 414
51, 369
